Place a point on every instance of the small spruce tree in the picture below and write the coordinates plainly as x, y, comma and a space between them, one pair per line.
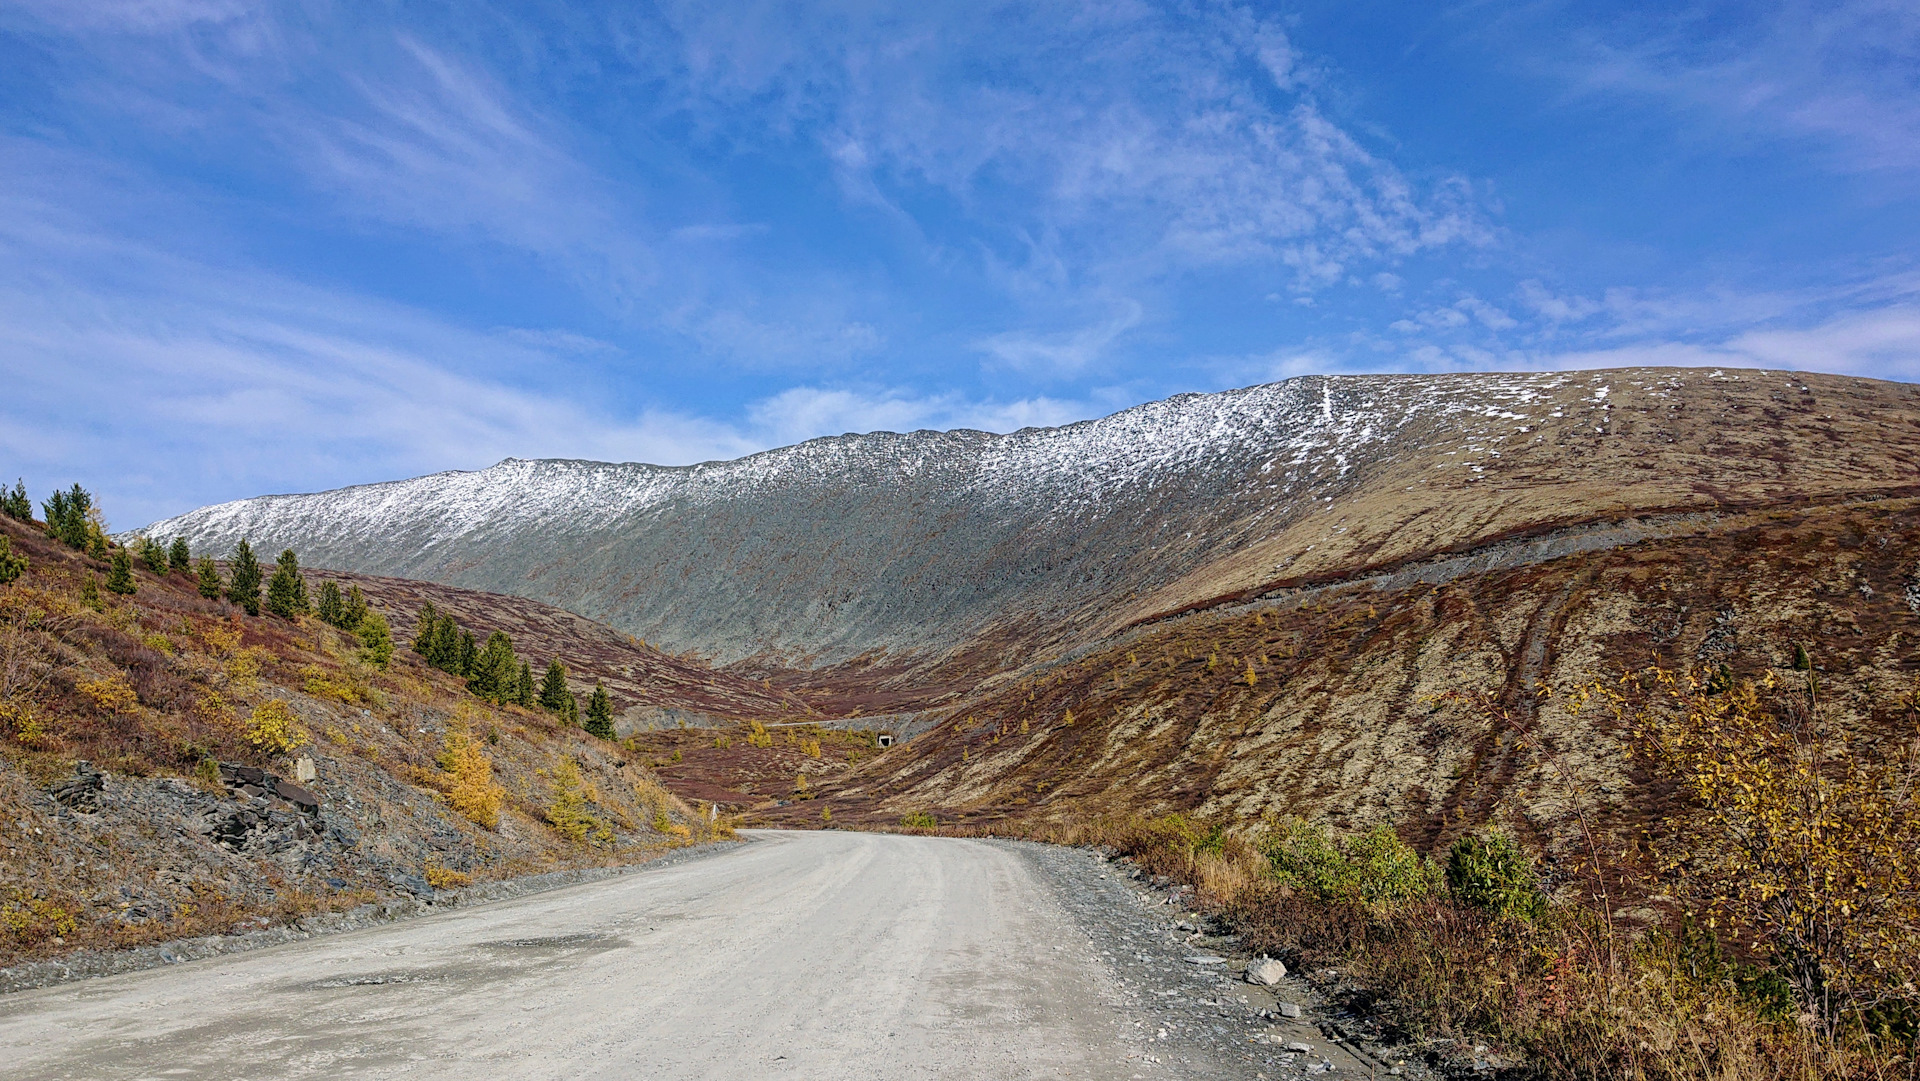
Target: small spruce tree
243, 579
553, 689
75, 505
179, 559
492, 674
154, 555
600, 713
523, 686
120, 574
12, 566
97, 545
469, 653
354, 608
18, 506
570, 711
423, 631
55, 509
329, 606
375, 638
90, 592
287, 589
207, 575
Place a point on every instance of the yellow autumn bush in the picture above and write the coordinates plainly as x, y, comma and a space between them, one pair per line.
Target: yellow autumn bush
1802, 842
471, 789
272, 728
110, 693
570, 808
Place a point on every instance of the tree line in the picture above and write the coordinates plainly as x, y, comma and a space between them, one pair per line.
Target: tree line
493, 671
73, 517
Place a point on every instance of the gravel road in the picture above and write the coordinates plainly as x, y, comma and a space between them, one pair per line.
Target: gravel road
803, 954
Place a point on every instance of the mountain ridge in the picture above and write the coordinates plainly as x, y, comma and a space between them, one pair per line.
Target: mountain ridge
927, 544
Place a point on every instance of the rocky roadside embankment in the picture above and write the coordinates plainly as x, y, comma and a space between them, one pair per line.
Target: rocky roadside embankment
1202, 1006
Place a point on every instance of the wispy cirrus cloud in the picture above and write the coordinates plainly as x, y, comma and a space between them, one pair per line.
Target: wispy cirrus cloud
1845, 73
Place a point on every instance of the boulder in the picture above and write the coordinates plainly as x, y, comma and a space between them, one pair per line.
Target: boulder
300, 797
1266, 972
1289, 1010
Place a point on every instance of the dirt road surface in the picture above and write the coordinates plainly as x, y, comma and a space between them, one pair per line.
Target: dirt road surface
818, 954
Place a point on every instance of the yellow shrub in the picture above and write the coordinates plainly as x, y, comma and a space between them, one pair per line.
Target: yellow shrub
569, 809
221, 637
110, 693
472, 791
160, 643
322, 685
28, 729
27, 919
811, 748
758, 736
272, 728
446, 878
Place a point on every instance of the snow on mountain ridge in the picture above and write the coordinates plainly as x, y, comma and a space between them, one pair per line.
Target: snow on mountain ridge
1296, 419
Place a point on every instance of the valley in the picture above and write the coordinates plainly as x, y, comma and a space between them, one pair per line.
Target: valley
1410, 613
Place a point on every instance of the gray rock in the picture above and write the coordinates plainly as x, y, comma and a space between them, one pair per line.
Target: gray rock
1289, 1009
1299, 1048
1266, 972
1204, 959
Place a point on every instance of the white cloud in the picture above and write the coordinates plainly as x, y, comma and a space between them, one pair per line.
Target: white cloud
1842, 72
1060, 353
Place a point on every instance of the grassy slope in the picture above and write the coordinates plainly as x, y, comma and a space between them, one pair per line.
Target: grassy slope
1341, 721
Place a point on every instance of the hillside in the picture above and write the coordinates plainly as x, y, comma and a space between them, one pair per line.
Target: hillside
1330, 702
963, 552
175, 767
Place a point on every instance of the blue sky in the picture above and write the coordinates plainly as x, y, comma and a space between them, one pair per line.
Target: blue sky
249, 248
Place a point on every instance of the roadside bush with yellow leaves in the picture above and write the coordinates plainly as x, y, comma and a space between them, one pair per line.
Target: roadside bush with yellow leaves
569, 810
1801, 843
471, 791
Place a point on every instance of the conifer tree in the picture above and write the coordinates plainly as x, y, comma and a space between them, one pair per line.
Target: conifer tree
469, 653
331, 609
570, 711
492, 674
443, 645
376, 638
154, 555
600, 713
11, 566
120, 575
17, 504
553, 689
243, 579
55, 509
179, 559
423, 631
97, 545
523, 686
287, 589
90, 592
208, 579
354, 608
68, 516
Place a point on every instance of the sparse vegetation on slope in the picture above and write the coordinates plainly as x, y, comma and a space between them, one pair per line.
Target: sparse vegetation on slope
176, 766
